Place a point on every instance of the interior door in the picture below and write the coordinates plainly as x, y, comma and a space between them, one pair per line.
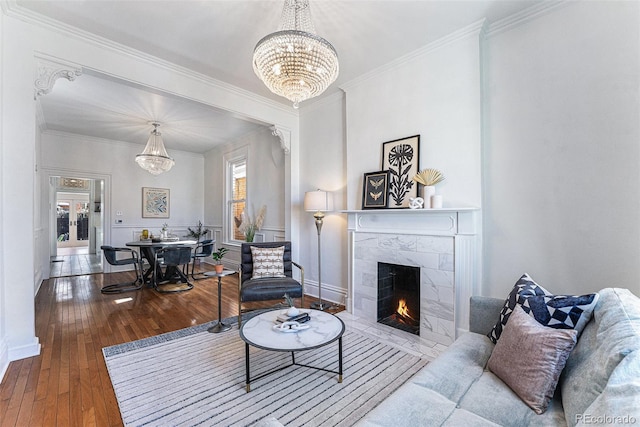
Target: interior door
72, 223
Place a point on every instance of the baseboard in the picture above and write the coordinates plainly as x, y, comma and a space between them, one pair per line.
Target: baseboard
4, 359
331, 293
24, 351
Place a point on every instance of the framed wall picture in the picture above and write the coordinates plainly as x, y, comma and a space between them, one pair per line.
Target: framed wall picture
375, 190
155, 202
400, 158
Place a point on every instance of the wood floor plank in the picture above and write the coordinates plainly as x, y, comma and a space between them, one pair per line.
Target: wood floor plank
68, 383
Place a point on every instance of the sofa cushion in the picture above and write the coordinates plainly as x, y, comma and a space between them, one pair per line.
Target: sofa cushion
267, 262
620, 400
613, 334
491, 399
556, 311
410, 405
453, 372
529, 358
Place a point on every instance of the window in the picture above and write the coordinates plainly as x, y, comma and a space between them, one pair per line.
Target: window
237, 196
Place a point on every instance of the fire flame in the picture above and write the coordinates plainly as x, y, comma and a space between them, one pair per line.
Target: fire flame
403, 310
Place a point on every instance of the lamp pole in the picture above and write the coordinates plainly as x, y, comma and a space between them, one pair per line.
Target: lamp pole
319, 216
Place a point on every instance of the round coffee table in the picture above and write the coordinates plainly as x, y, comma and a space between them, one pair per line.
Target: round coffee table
324, 328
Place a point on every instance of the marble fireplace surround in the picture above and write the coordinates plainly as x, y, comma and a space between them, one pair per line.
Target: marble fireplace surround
442, 242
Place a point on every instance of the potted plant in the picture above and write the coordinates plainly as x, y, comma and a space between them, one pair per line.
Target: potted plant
218, 255
198, 231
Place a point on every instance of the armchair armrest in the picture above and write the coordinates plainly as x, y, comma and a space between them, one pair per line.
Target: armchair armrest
301, 268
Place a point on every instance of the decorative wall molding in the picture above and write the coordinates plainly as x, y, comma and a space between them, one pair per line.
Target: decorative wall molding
284, 135
472, 30
48, 70
12, 9
524, 16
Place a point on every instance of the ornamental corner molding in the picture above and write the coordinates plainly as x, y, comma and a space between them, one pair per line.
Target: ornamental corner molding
49, 70
285, 138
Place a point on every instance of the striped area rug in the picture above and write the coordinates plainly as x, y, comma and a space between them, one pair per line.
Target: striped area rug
194, 378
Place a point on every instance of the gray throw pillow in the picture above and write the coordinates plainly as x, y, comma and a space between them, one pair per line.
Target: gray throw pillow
529, 358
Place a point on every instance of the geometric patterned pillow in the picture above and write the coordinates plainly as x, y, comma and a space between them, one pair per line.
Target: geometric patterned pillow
524, 288
562, 311
555, 311
267, 262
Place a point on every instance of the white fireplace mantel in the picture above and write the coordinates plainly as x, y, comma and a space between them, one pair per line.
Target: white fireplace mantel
444, 243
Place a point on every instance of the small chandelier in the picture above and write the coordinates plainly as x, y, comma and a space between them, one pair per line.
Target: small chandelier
293, 62
154, 158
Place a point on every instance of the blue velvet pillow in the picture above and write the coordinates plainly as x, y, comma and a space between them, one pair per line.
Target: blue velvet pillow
555, 311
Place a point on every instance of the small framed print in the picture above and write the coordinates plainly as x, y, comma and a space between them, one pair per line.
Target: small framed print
400, 158
155, 202
375, 190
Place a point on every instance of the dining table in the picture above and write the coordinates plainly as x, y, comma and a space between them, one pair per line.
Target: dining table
148, 250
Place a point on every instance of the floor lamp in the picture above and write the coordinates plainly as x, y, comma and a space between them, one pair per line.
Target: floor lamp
319, 202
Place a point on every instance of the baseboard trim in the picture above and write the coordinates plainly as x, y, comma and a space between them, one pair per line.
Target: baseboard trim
4, 359
331, 293
24, 351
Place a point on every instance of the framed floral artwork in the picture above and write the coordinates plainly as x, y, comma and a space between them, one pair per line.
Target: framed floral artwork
155, 202
375, 190
400, 157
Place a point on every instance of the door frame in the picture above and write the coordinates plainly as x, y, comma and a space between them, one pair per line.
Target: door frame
48, 198
66, 196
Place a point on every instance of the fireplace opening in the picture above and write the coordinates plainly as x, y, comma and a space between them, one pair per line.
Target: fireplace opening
399, 297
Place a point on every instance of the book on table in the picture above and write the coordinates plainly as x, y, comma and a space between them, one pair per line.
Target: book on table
300, 318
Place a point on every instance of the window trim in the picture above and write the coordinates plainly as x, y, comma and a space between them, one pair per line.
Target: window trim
229, 159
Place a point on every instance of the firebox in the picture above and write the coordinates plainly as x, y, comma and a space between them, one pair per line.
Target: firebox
399, 296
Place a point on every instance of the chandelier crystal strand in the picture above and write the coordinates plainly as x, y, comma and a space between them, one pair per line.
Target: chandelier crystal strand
294, 62
154, 158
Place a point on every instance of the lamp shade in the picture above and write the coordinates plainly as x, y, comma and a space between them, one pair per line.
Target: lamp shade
318, 201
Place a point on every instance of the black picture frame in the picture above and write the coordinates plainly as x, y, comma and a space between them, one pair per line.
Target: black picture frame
401, 158
375, 190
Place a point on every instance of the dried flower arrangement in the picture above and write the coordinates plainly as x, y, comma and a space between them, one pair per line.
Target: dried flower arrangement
429, 177
249, 227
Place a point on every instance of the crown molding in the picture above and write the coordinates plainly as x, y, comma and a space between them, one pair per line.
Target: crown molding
13, 10
525, 16
329, 99
113, 142
472, 30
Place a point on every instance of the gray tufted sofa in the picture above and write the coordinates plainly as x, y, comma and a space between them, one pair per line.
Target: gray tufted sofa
600, 384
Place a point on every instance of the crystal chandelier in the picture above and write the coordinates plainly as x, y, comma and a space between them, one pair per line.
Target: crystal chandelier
293, 62
154, 158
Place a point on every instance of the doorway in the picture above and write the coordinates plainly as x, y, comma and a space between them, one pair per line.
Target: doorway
72, 220
76, 225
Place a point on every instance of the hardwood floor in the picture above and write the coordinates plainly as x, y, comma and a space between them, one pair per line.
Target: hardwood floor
68, 383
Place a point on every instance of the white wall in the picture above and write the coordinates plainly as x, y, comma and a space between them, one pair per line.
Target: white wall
265, 187
562, 176
322, 160
22, 38
76, 153
434, 93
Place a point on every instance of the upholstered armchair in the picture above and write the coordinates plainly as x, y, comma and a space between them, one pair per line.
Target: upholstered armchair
266, 273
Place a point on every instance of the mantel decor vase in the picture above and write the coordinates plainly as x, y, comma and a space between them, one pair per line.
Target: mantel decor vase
427, 192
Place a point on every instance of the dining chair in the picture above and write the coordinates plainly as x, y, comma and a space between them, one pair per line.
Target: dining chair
268, 275
111, 255
175, 260
203, 250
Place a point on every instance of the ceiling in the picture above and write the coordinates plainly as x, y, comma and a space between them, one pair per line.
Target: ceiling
216, 38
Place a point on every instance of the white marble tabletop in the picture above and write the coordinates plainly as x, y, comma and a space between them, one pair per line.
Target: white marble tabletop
324, 328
